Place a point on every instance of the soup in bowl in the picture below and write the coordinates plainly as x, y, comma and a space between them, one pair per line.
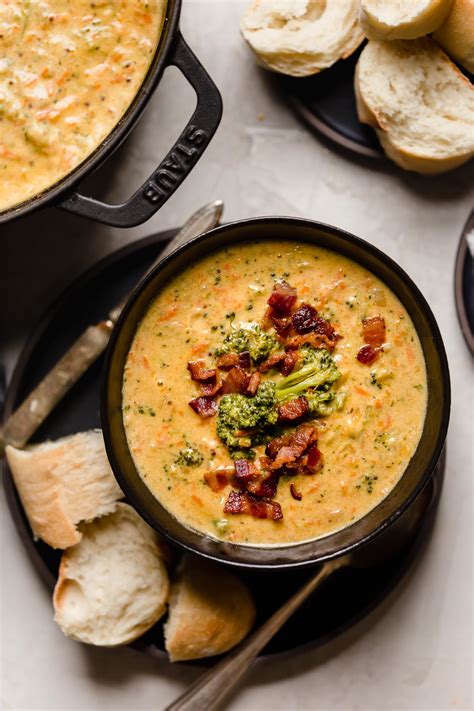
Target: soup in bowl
273, 391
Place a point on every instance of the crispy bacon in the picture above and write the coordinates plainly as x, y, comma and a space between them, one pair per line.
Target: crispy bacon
229, 360
236, 381
244, 470
317, 340
199, 371
292, 446
295, 494
282, 299
240, 502
293, 410
290, 360
373, 331
204, 406
271, 362
264, 486
281, 325
210, 387
253, 384
304, 319
218, 479
367, 355
314, 457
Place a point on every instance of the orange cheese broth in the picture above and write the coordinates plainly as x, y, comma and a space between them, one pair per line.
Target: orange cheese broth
366, 445
69, 69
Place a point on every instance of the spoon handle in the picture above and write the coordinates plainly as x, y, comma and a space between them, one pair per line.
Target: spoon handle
211, 689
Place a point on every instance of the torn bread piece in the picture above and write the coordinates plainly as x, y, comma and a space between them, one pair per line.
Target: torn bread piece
211, 610
420, 104
302, 37
62, 483
456, 34
113, 585
402, 19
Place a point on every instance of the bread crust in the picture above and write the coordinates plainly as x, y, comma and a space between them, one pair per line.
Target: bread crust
62, 483
211, 610
302, 46
422, 23
456, 34
407, 159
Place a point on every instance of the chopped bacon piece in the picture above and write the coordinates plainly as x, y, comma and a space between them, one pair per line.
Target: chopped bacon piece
204, 406
367, 355
229, 360
305, 319
314, 457
218, 479
292, 449
199, 371
289, 362
244, 360
274, 446
240, 502
295, 494
317, 340
293, 410
211, 387
236, 381
245, 470
254, 382
271, 362
267, 320
373, 330
282, 299
265, 487
282, 325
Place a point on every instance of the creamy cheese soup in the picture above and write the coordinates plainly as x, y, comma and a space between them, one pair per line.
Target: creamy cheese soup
68, 71
367, 429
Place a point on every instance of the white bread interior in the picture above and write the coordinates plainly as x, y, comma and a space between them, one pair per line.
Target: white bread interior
402, 19
210, 611
302, 37
62, 483
456, 34
420, 104
113, 584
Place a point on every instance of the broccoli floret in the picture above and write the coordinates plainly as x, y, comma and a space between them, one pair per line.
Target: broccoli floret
189, 457
324, 403
319, 371
251, 338
238, 412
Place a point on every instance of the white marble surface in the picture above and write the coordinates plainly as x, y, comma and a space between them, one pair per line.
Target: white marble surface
415, 652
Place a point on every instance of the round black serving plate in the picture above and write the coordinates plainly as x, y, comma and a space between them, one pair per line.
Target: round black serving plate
464, 282
326, 101
345, 597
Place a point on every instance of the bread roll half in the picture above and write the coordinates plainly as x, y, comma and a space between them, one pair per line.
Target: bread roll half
402, 19
211, 610
302, 37
420, 104
456, 34
62, 483
113, 585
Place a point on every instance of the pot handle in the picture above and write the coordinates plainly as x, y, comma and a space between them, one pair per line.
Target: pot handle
177, 164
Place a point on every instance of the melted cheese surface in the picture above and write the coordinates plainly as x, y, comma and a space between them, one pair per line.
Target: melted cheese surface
69, 69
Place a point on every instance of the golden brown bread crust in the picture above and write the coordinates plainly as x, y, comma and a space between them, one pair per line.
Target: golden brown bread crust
456, 34
424, 22
211, 610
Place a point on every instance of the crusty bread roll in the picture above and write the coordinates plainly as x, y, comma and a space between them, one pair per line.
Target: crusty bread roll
112, 585
302, 37
420, 104
456, 34
210, 611
402, 19
62, 483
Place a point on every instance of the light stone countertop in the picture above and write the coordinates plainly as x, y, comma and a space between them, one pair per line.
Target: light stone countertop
415, 651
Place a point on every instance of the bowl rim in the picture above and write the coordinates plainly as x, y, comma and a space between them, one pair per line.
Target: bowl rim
218, 554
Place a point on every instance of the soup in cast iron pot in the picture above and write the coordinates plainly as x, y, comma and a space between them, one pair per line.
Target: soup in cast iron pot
69, 69
273, 393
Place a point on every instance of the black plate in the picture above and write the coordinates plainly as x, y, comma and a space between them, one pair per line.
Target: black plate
331, 610
464, 282
326, 101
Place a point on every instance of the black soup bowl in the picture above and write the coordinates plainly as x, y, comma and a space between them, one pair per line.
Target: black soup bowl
364, 534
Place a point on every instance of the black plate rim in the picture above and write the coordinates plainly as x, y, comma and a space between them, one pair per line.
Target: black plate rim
461, 255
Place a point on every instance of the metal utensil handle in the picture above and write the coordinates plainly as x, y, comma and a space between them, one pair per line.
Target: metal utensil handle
176, 165
215, 685
33, 411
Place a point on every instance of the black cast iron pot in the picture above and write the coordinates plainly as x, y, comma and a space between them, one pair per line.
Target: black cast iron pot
364, 535
173, 169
